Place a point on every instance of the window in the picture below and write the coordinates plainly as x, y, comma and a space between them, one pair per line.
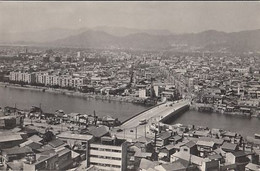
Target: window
185, 149
94, 156
93, 148
115, 166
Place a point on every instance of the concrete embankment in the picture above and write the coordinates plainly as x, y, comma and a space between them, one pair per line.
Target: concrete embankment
128, 99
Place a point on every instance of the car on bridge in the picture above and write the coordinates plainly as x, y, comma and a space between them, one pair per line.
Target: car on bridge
142, 121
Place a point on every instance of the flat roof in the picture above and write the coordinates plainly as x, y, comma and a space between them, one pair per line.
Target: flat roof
68, 135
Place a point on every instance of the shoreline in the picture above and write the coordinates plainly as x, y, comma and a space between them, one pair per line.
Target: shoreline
235, 114
126, 99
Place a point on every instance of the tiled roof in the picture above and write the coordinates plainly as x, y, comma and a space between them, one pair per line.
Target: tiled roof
164, 135
9, 138
253, 167
240, 153
17, 150
170, 147
229, 146
188, 157
56, 143
173, 166
206, 143
215, 140
146, 164
214, 156
35, 138
201, 133
34, 145
190, 144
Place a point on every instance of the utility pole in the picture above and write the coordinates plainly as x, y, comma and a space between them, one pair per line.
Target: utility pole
40, 108
154, 150
135, 132
145, 130
95, 119
15, 108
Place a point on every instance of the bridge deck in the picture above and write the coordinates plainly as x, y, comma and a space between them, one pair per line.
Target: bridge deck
161, 111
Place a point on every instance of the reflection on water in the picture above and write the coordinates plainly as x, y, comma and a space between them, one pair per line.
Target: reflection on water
243, 125
50, 102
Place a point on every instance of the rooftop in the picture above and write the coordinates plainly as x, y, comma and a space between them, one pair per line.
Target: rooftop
56, 143
8, 138
229, 146
17, 150
100, 131
205, 143
67, 135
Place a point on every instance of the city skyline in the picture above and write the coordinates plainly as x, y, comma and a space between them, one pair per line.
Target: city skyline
177, 17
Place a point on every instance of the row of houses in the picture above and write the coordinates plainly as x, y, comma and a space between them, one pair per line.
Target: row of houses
47, 79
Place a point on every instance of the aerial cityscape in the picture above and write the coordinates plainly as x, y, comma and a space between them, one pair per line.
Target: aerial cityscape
130, 86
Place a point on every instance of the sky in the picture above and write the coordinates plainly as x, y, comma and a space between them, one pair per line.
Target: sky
177, 17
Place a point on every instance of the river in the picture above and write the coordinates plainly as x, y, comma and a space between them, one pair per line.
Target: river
243, 125
50, 102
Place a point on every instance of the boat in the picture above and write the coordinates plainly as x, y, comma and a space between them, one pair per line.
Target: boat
257, 136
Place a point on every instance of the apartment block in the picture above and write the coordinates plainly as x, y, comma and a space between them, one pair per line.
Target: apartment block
108, 154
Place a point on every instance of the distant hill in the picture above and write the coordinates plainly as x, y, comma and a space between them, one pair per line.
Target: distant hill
123, 31
59, 33
118, 37
208, 40
92, 39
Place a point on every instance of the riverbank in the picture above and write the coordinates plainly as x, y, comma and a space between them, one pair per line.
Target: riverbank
244, 125
128, 99
50, 102
212, 108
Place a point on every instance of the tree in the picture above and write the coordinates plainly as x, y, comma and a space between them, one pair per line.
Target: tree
48, 136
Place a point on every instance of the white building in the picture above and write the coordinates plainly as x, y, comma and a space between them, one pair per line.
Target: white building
142, 93
107, 155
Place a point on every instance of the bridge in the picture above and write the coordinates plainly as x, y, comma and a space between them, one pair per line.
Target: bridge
162, 113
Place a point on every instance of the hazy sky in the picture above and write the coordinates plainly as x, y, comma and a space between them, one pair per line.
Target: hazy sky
174, 16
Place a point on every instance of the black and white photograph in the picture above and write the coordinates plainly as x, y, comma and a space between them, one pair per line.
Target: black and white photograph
129, 85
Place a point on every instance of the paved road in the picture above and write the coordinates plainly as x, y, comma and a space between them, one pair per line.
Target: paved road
159, 111
132, 129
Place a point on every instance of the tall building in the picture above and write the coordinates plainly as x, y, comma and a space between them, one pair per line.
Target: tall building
107, 153
23, 77
78, 54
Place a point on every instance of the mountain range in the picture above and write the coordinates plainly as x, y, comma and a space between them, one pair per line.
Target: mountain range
127, 38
